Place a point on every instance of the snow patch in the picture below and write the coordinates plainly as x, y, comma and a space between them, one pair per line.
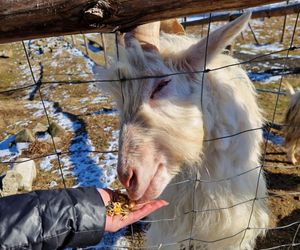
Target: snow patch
266, 47
46, 164
275, 139
99, 99
53, 184
263, 77
9, 150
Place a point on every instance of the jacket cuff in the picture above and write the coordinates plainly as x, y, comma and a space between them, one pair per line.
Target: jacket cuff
90, 214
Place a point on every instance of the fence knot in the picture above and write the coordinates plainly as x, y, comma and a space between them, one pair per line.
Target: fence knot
94, 15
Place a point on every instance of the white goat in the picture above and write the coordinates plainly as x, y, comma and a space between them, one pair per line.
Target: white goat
291, 123
167, 121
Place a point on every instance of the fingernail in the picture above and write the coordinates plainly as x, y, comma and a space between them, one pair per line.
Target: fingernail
165, 203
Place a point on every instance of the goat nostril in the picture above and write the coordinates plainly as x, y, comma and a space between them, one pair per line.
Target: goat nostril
132, 180
128, 178
125, 177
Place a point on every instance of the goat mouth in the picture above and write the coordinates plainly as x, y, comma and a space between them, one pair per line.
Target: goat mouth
156, 185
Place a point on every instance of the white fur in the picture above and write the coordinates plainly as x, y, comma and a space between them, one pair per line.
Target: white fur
169, 133
229, 106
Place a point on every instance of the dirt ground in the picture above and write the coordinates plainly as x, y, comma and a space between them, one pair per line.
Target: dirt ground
75, 101
283, 181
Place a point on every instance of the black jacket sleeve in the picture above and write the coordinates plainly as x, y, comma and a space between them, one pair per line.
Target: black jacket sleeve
52, 219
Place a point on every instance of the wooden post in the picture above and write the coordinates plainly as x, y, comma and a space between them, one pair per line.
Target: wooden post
86, 45
104, 50
73, 40
283, 26
28, 19
253, 34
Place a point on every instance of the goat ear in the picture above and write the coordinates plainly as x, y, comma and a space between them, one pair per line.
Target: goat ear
217, 41
146, 34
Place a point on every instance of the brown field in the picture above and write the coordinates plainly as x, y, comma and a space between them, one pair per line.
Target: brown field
52, 61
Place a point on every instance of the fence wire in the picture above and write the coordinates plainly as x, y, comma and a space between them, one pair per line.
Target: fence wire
72, 82
269, 131
193, 182
46, 113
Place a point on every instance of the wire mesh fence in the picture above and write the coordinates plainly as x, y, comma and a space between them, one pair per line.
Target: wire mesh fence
40, 88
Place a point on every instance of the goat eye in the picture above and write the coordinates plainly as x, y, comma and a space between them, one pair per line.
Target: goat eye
159, 87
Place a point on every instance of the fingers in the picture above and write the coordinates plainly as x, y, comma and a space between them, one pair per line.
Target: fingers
115, 223
146, 209
142, 212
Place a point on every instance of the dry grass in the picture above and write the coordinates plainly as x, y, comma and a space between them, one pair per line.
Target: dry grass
12, 68
12, 112
44, 178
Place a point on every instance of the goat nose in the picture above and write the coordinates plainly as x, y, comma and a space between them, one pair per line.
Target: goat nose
126, 177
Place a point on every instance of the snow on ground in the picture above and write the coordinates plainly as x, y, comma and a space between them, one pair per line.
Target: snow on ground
109, 164
99, 99
110, 159
84, 100
82, 161
40, 108
275, 139
46, 164
9, 151
61, 118
272, 79
23, 123
60, 49
78, 53
264, 78
53, 184
113, 241
261, 48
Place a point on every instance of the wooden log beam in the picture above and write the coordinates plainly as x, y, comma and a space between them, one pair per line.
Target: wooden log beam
263, 12
27, 19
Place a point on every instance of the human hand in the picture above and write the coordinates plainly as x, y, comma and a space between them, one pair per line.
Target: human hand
114, 223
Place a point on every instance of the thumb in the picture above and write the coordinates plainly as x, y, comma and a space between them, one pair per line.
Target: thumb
144, 211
